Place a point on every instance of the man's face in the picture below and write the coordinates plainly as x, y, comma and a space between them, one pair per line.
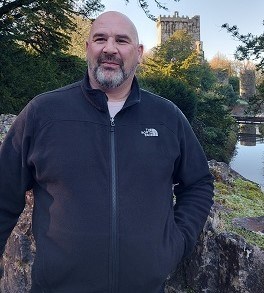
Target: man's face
113, 52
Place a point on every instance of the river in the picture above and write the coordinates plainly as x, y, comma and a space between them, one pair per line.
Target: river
248, 159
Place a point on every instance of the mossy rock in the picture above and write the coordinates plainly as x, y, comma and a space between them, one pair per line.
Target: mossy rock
241, 199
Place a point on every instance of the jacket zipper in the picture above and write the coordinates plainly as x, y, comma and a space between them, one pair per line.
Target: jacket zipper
114, 226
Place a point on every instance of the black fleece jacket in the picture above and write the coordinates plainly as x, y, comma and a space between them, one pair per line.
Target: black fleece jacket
104, 219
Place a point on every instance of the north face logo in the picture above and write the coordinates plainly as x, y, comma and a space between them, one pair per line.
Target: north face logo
150, 132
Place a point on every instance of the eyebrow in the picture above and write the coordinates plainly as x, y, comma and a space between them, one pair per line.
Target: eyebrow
122, 36
98, 35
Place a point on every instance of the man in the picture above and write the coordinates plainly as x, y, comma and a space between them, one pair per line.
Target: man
102, 156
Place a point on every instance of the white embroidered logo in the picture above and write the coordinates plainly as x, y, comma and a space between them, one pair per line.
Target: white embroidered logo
150, 132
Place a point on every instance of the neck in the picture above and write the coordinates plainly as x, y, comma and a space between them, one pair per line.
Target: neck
114, 94
117, 95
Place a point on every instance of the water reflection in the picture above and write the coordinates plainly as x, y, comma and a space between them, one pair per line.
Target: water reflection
248, 159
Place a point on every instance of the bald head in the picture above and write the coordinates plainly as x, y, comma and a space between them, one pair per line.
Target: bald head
113, 52
110, 18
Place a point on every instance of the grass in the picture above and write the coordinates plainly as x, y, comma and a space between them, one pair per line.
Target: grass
241, 199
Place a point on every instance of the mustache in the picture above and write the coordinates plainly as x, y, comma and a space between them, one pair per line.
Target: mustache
111, 58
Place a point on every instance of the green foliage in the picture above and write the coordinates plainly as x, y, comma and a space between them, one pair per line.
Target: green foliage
228, 94
33, 36
79, 37
171, 71
207, 77
207, 112
214, 125
24, 75
254, 105
172, 58
45, 26
174, 90
234, 82
242, 199
42, 25
177, 58
177, 48
256, 102
175, 70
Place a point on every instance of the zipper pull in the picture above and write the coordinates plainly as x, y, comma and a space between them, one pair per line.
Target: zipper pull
112, 121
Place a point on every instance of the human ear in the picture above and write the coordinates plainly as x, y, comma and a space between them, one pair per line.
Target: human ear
140, 52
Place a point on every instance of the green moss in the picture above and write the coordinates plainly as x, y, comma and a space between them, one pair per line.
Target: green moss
241, 199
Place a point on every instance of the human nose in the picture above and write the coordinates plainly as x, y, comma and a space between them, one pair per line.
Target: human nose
110, 47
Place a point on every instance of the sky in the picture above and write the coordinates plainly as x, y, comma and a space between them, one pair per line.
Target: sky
247, 15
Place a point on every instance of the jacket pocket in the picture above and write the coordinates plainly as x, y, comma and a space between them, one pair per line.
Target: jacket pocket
172, 249
179, 244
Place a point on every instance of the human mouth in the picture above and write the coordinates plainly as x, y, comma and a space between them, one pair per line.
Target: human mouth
110, 64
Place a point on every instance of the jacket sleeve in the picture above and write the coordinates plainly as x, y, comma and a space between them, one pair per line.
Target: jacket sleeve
15, 174
193, 187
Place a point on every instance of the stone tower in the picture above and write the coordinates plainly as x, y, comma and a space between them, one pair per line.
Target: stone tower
247, 84
167, 25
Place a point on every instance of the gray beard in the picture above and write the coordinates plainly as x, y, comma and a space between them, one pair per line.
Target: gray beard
108, 78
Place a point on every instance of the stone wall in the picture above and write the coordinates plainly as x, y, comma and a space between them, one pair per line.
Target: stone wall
247, 84
168, 25
222, 262
19, 254
6, 121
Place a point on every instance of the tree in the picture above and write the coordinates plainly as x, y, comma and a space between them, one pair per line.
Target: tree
252, 46
174, 90
175, 71
42, 25
79, 36
166, 59
178, 58
256, 102
23, 75
214, 125
177, 48
220, 61
234, 82
229, 96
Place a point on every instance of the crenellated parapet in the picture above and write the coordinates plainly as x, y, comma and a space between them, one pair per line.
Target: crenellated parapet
167, 25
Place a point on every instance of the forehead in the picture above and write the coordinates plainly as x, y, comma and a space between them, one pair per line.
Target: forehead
114, 25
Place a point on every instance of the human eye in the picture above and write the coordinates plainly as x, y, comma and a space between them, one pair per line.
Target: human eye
99, 39
122, 40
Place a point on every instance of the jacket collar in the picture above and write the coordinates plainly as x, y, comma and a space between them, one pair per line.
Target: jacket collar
99, 99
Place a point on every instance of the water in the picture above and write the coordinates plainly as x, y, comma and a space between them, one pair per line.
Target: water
248, 159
